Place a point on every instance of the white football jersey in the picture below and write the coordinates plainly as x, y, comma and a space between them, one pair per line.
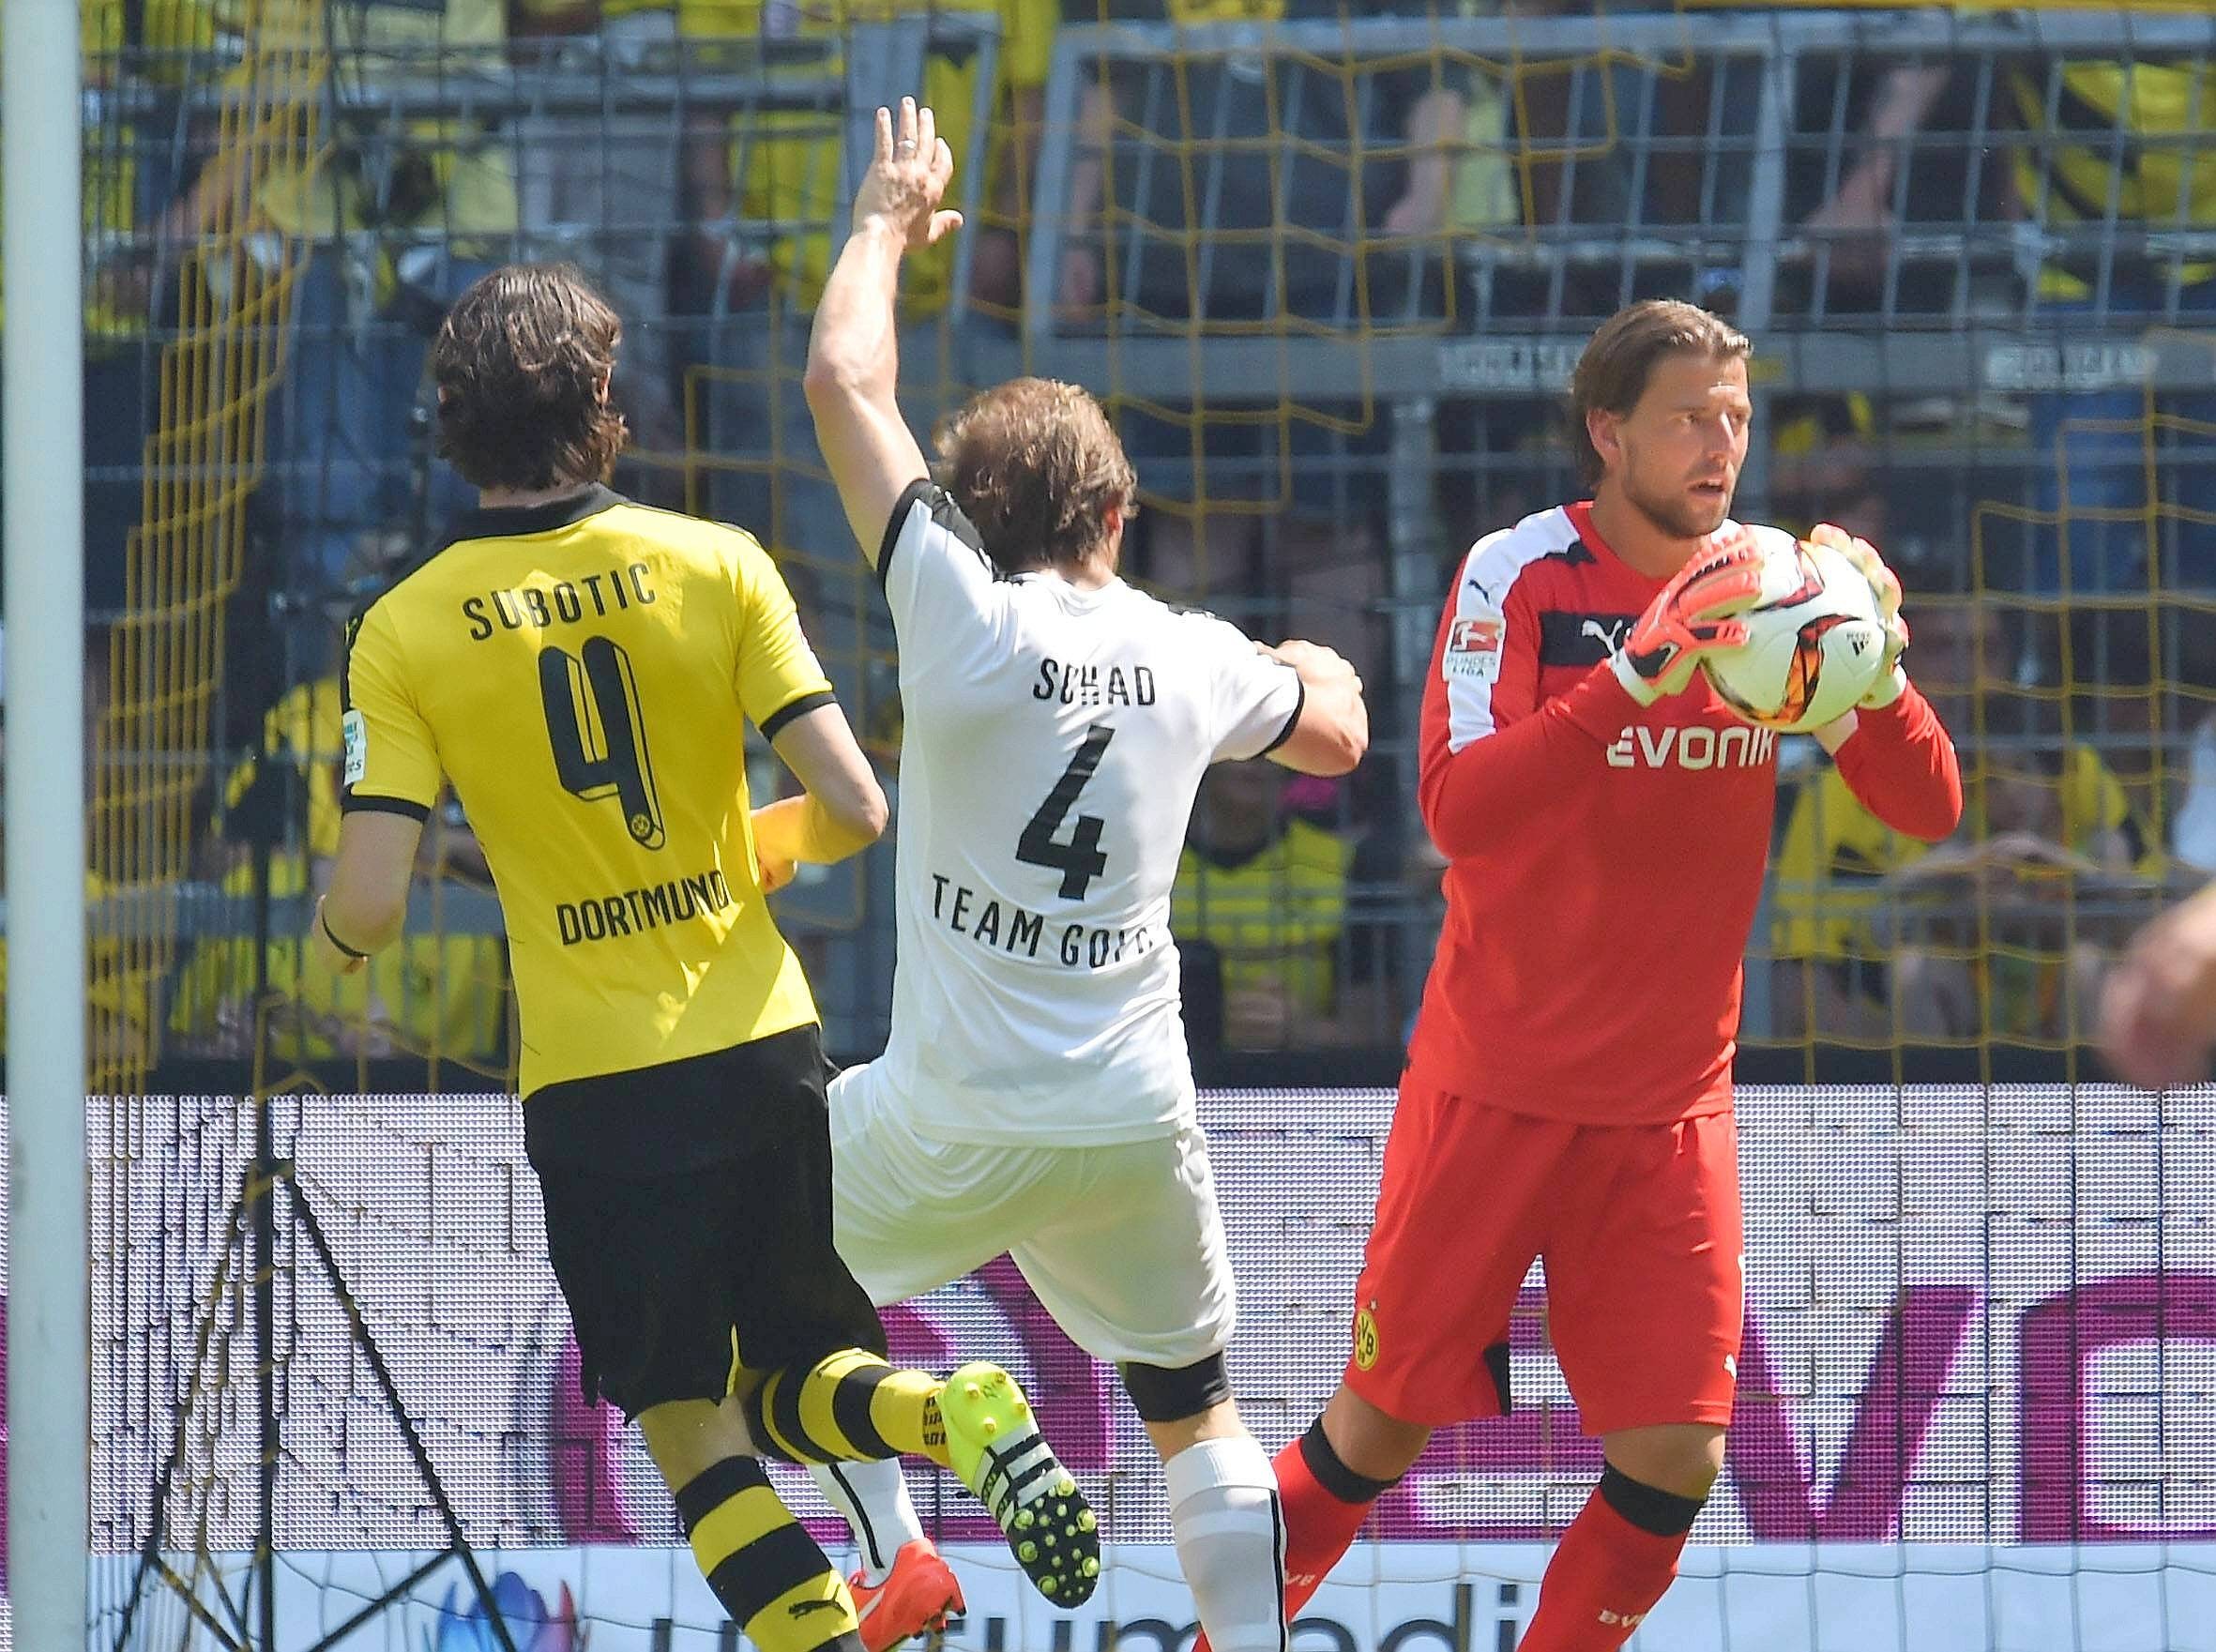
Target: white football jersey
1053, 740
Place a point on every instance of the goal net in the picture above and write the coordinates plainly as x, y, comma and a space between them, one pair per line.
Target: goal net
1975, 1405
1329, 275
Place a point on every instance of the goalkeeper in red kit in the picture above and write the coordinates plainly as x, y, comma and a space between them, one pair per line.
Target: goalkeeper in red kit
1568, 1094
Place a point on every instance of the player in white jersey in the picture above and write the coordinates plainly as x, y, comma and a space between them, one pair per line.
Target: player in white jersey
1035, 1096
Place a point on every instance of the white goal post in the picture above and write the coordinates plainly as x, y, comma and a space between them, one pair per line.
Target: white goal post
48, 1330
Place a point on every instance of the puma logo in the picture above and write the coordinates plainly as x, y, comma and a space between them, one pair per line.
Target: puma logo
1609, 636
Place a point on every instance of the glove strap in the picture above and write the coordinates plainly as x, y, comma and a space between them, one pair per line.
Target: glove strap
1637, 686
1890, 686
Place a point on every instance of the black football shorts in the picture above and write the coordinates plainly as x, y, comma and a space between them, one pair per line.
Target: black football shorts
689, 1221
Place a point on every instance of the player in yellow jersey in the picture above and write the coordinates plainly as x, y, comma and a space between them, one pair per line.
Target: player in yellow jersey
580, 669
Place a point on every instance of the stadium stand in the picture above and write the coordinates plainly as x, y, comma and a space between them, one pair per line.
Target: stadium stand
1328, 267
1329, 271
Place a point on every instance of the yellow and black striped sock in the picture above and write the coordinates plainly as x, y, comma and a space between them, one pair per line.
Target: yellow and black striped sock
769, 1573
850, 1407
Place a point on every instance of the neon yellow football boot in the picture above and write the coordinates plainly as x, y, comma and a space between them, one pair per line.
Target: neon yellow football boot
995, 1450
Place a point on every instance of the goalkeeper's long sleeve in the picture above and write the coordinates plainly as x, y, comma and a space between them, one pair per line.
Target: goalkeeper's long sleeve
1476, 797
1604, 858
1901, 766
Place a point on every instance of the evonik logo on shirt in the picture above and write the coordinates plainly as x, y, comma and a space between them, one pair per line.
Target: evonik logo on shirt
1696, 747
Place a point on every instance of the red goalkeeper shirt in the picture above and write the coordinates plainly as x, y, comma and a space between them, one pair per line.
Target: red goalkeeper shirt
1605, 858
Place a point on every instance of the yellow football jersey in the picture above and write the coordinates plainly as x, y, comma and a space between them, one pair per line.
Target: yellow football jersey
582, 672
1274, 917
2142, 127
1828, 867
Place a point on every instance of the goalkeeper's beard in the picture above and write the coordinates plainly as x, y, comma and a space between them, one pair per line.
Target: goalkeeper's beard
1676, 515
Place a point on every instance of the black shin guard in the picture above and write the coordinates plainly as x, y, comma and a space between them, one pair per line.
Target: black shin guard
1649, 1508
1334, 1475
1160, 1394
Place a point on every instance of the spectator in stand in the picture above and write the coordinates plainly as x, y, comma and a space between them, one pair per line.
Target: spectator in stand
2007, 935
1251, 191
2112, 155
127, 181
1281, 226
399, 221
1867, 188
601, 191
1824, 453
785, 169
1877, 936
1262, 892
1572, 126
2129, 141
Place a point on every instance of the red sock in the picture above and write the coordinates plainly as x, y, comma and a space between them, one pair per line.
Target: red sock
1320, 1520
1608, 1572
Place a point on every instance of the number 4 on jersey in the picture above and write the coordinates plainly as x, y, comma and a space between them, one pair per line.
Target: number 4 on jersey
1080, 859
598, 736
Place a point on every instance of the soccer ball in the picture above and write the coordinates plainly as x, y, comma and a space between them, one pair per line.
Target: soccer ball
1815, 642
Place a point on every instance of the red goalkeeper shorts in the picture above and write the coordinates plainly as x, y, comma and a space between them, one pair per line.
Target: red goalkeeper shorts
1639, 1228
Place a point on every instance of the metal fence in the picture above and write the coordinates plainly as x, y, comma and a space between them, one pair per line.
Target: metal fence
1330, 277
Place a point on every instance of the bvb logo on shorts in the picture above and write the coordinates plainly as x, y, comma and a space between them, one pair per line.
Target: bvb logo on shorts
1365, 1339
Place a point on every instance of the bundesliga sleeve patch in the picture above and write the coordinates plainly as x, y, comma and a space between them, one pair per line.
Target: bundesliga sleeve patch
1473, 648
356, 736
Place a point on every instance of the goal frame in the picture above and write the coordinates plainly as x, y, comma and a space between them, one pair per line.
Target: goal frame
49, 1343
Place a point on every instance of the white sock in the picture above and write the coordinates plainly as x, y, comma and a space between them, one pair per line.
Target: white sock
873, 1499
1230, 1541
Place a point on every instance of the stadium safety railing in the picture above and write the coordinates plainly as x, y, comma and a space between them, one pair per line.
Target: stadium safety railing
1327, 401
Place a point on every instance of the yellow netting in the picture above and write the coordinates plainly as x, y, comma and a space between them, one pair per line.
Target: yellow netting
1473, 192
2072, 708
202, 459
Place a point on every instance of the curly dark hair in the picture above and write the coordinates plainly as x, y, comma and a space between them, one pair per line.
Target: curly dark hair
521, 364
1035, 464
1611, 375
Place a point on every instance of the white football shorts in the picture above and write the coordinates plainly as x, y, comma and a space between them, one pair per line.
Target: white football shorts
1122, 1242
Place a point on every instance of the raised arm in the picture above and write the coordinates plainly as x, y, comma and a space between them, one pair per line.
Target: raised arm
854, 352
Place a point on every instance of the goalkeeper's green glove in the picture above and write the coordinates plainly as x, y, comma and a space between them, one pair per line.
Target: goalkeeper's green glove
1691, 616
1885, 584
